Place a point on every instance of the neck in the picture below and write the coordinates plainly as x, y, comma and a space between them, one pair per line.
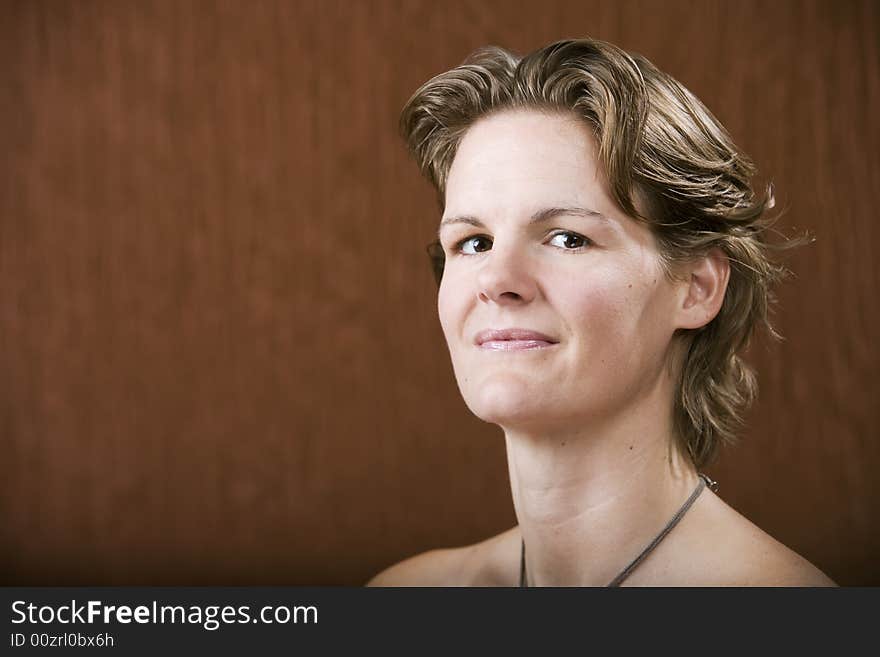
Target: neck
588, 501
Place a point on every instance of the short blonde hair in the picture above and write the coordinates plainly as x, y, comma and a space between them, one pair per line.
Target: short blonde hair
657, 142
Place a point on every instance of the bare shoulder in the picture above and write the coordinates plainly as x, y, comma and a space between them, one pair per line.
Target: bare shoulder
496, 561
722, 548
729, 550
433, 568
480, 564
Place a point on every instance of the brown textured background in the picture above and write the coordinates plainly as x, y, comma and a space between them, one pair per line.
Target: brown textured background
220, 361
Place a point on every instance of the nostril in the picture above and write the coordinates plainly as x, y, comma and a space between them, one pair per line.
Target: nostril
503, 296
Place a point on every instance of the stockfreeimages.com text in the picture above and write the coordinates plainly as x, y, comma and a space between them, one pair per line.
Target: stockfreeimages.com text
211, 617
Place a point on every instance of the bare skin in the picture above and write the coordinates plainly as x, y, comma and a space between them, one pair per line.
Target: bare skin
583, 382
712, 546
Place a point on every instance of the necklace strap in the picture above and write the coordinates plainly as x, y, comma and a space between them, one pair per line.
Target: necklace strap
626, 572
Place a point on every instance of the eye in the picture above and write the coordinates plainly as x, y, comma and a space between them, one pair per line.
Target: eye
569, 241
473, 245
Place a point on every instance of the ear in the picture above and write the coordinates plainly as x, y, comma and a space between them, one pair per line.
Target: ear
703, 289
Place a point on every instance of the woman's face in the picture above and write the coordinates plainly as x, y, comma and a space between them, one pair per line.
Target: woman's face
553, 302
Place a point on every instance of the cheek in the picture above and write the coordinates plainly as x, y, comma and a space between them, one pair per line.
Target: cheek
614, 317
448, 308
598, 306
633, 319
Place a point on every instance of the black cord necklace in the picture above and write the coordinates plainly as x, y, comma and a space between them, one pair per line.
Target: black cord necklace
626, 572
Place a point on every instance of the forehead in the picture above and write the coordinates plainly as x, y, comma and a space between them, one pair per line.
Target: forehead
517, 160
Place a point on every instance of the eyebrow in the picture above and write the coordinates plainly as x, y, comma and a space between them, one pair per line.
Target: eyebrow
538, 217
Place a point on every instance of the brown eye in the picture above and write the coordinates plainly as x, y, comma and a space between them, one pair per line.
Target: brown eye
474, 245
569, 241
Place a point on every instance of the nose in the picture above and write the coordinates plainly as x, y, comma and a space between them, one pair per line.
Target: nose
504, 277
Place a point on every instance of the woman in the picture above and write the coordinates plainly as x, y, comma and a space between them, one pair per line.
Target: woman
603, 261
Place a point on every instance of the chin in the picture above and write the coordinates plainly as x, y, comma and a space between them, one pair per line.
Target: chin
506, 402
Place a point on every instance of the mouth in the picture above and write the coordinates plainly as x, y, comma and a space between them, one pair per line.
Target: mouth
513, 339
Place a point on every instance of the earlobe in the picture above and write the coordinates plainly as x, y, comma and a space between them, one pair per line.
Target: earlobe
704, 289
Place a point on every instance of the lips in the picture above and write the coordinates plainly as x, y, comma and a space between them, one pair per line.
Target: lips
512, 339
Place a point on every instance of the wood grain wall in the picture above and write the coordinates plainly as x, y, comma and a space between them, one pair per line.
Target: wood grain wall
220, 361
